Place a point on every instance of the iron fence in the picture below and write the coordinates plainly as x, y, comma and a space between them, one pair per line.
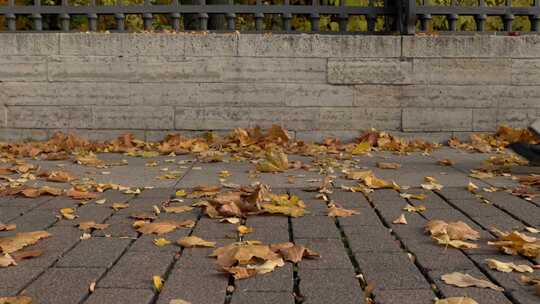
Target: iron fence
321, 16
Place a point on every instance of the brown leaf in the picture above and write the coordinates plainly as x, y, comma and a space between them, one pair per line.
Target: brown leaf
517, 243
26, 254
92, 225
456, 300
193, 241
383, 165
296, 253
455, 230
7, 227
177, 209
118, 206
6, 260
400, 220
143, 216
16, 300
20, 240
465, 280
508, 267
157, 228
335, 211
81, 195
58, 176
241, 273
274, 161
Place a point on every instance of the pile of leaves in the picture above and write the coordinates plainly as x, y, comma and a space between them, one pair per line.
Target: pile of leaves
486, 143
452, 234
10, 246
246, 259
247, 201
514, 243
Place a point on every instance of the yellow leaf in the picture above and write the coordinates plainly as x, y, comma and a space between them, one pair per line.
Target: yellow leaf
181, 193
361, 148
419, 197
68, 213
472, 187
92, 225
465, 280
244, 229
507, 267
16, 300
274, 161
6, 260
454, 230
335, 211
267, 266
20, 240
456, 300
401, 220
158, 283
410, 208
383, 165
359, 175
118, 206
160, 242
224, 174
193, 241
446, 241
445, 162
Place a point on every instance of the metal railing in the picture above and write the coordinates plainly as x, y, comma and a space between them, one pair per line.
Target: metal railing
326, 16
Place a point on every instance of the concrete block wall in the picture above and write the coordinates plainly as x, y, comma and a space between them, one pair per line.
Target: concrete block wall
101, 85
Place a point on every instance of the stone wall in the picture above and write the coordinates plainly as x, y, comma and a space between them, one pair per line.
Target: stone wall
315, 85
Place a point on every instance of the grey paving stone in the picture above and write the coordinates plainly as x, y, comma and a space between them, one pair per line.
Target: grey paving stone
62, 239
404, 296
10, 213
391, 271
432, 256
329, 286
145, 243
268, 229
333, 254
119, 226
522, 209
194, 285
509, 281
157, 193
525, 297
120, 296
456, 193
384, 195
207, 228
15, 278
479, 294
58, 203
366, 217
36, 220
95, 252
262, 297
504, 222
198, 258
16, 201
63, 285
136, 269
431, 201
279, 280
372, 239
314, 227
86, 213
350, 200
476, 208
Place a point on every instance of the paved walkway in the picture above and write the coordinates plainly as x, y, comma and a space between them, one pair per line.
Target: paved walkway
364, 257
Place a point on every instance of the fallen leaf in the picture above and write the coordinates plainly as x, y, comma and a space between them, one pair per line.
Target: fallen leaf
177, 209
158, 283
359, 175
465, 280
6, 260
419, 197
446, 241
455, 230
242, 229
508, 267
529, 229
472, 188
118, 206
178, 301
383, 165
295, 253
401, 220
193, 241
231, 220
68, 213
92, 225
517, 243
81, 195
20, 240
101, 201
335, 211
361, 148
92, 287
267, 266
163, 226
26, 254
445, 162
160, 242
419, 208
274, 161
16, 300
456, 300
7, 227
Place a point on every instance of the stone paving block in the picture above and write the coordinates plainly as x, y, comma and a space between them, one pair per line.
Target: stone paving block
367, 217
198, 258
329, 286
63, 285
119, 226
333, 254
87, 213
372, 239
268, 229
145, 243
58, 203
95, 252
527, 297
314, 227
16, 278
10, 213
385, 195
120, 296
157, 193
280, 280
509, 281
404, 296
479, 294
36, 220
61, 240
522, 209
503, 222
391, 271
432, 256
194, 285
262, 297
135, 270
350, 199
208, 228
477, 208
23, 202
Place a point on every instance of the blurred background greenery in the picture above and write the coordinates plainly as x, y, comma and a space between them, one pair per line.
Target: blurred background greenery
301, 23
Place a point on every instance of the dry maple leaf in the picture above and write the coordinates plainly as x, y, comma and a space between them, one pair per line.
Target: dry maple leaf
383, 165
92, 225
163, 226
517, 243
335, 211
508, 267
274, 161
446, 241
160, 242
193, 241
267, 266
6, 260
465, 280
20, 240
359, 175
456, 300
419, 197
455, 230
400, 220
295, 253
204, 191
58, 176
177, 209
68, 213
178, 301
16, 300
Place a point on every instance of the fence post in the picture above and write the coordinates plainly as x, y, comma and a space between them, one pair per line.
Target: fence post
407, 17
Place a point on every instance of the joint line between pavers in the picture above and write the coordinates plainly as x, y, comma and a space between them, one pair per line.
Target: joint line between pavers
296, 277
